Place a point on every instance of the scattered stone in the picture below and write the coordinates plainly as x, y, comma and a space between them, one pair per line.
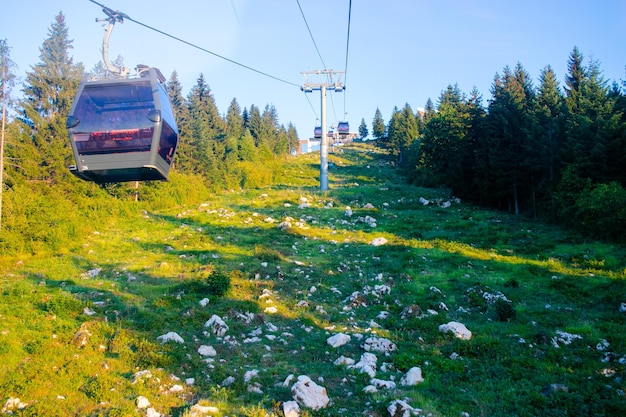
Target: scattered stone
622, 308
459, 330
564, 338
367, 364
291, 409
379, 344
309, 394
13, 404
412, 377
228, 381
170, 337
151, 412
217, 325
379, 241
381, 383
368, 206
337, 340
142, 402
348, 212
197, 410
140, 376
342, 360
204, 302
176, 388
399, 408
205, 350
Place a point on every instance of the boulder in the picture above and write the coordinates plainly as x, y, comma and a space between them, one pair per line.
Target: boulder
291, 409
337, 340
309, 394
379, 344
458, 329
142, 402
399, 408
367, 364
170, 337
217, 325
412, 377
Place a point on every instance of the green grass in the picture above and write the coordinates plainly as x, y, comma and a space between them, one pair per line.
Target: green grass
128, 281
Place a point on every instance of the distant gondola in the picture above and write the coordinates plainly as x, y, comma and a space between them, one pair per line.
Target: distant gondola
317, 133
123, 129
343, 128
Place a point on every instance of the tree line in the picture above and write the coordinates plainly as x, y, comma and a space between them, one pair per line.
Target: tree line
553, 151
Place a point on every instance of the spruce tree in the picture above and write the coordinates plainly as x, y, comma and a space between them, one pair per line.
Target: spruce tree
378, 126
49, 90
363, 132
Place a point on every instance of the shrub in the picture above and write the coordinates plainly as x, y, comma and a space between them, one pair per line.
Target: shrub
218, 282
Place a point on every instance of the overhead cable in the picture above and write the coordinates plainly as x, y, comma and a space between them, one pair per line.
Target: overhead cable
197, 47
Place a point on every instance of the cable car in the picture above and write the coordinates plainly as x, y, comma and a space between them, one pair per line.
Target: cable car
123, 129
343, 128
317, 133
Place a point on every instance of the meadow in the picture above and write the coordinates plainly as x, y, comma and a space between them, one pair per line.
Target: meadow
285, 268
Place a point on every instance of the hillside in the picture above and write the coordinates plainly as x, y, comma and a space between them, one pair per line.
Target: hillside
218, 309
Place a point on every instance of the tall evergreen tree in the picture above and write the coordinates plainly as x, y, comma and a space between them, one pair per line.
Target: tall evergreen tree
509, 121
378, 126
363, 132
49, 89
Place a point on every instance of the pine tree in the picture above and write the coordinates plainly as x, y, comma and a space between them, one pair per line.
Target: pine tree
49, 89
363, 132
378, 126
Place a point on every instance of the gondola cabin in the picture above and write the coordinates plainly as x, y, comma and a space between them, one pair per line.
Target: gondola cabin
317, 133
123, 129
343, 128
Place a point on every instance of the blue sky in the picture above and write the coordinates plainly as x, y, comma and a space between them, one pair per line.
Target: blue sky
400, 51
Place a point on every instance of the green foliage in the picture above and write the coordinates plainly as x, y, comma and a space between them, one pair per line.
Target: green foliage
217, 281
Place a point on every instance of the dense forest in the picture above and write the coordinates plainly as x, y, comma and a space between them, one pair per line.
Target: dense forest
547, 151
550, 151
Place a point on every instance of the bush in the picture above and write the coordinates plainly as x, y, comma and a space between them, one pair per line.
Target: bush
218, 282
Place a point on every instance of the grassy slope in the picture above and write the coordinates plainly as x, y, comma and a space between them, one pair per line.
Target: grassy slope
320, 274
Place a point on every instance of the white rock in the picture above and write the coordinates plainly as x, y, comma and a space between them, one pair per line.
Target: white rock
142, 402
348, 212
291, 409
342, 360
412, 377
228, 381
177, 388
170, 337
217, 325
622, 308
423, 201
197, 410
205, 350
381, 383
367, 364
250, 374
459, 330
204, 302
379, 241
309, 394
400, 408
271, 310
151, 412
337, 340
379, 344
368, 206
